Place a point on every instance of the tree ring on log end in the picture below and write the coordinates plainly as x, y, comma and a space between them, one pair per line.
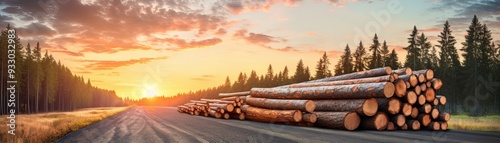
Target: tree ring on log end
370, 107
400, 87
389, 90
352, 121
310, 106
297, 116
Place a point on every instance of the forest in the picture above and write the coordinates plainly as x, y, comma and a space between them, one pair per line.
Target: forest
44, 84
471, 85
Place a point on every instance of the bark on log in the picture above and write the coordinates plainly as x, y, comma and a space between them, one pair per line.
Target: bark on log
430, 95
406, 109
361, 74
427, 73
421, 77
272, 116
377, 122
233, 98
408, 86
364, 107
421, 99
403, 71
237, 111
398, 119
426, 108
404, 127
435, 113
413, 125
226, 107
414, 112
412, 79
400, 86
364, 90
435, 126
244, 93
309, 117
444, 116
429, 84
436, 83
444, 125
424, 119
385, 78
215, 114
282, 104
410, 97
338, 120
390, 126
442, 99
237, 116
389, 105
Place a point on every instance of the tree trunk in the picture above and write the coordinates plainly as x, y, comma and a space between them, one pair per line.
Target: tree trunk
226, 107
444, 116
309, 117
403, 71
338, 120
420, 77
435, 126
364, 107
271, 116
215, 114
385, 78
426, 108
442, 99
244, 93
377, 122
365, 90
398, 119
361, 74
427, 73
412, 79
389, 105
406, 109
413, 125
233, 98
282, 104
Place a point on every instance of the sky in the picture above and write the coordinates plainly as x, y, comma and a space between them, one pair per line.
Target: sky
141, 48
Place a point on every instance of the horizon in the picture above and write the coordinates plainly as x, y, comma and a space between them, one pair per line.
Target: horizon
184, 47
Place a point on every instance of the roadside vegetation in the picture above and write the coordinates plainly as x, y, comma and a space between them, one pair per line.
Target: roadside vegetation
480, 123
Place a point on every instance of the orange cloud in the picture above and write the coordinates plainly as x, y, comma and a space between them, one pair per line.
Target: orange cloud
239, 6
257, 38
108, 65
183, 44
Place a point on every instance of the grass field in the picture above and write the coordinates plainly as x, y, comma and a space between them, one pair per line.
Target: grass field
47, 127
481, 123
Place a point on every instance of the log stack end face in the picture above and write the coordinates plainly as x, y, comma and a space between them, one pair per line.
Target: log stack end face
370, 107
389, 90
352, 121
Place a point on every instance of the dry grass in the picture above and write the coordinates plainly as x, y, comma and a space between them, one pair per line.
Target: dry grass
48, 127
482, 123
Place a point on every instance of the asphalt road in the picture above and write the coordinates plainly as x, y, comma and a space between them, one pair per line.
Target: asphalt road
165, 124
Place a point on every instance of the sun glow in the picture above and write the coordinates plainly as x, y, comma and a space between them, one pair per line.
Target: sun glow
150, 91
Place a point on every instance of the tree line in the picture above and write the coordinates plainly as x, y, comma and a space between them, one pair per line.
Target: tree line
44, 84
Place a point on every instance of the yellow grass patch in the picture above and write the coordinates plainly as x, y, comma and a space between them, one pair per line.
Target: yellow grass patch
481, 123
48, 127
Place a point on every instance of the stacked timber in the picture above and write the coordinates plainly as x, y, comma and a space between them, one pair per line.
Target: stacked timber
220, 109
376, 99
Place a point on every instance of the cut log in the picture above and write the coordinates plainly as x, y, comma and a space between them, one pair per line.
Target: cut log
233, 98
237, 111
424, 119
361, 74
402, 71
364, 90
398, 119
385, 78
338, 120
226, 115
444, 116
272, 116
395, 76
435, 113
442, 99
390, 126
435, 102
215, 114
389, 105
377, 122
400, 86
281, 104
429, 84
244, 93
416, 89
414, 112
226, 107
404, 127
412, 79
309, 117
426, 108
410, 97
413, 125
430, 95
420, 77
444, 125
421, 99
364, 107
237, 116
217, 109
423, 87
436, 83
406, 109
408, 86
435, 126
427, 73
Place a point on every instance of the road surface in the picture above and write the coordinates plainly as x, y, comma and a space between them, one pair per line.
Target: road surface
165, 124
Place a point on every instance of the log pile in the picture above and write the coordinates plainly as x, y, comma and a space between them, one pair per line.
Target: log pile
376, 99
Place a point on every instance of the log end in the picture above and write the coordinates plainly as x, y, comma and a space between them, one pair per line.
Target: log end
414, 125
400, 120
437, 83
429, 74
381, 121
394, 106
370, 107
230, 107
404, 127
400, 87
312, 118
242, 116
310, 106
421, 78
421, 99
390, 126
444, 126
413, 80
435, 126
425, 119
434, 113
297, 116
226, 115
406, 110
442, 100
427, 108
430, 94
414, 112
388, 70
411, 97
389, 90
352, 121
408, 71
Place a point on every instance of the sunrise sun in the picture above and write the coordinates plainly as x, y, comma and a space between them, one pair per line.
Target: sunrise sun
149, 92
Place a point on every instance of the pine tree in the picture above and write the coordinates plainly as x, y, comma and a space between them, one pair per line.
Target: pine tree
307, 74
392, 60
227, 85
433, 58
322, 69
359, 57
347, 60
425, 47
384, 53
300, 75
252, 81
285, 77
414, 52
375, 59
269, 76
39, 76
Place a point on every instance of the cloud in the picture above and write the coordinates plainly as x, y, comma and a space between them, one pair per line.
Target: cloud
108, 65
203, 78
257, 38
183, 44
239, 6
71, 53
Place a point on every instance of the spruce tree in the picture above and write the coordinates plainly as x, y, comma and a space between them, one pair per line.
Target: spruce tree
425, 47
393, 60
322, 68
384, 53
413, 51
375, 59
359, 57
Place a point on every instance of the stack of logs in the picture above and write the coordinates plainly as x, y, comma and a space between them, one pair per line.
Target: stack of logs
225, 108
376, 99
